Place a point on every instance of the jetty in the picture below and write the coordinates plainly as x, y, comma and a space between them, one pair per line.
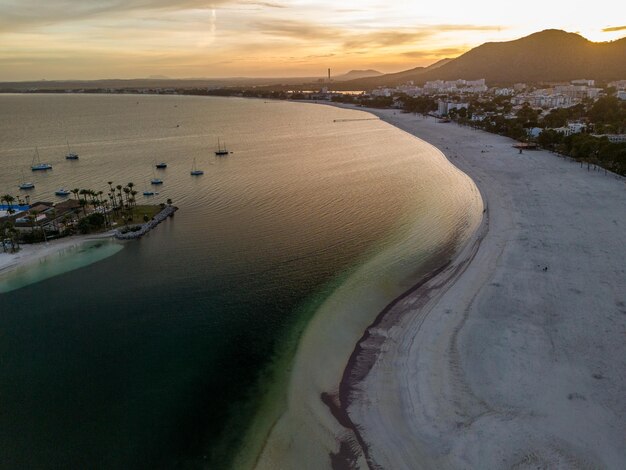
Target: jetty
137, 231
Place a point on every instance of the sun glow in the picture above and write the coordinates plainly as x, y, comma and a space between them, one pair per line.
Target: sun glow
187, 38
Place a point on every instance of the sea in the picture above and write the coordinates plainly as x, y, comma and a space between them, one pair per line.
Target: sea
157, 353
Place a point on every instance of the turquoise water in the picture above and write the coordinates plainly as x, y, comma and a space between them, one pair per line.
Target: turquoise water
154, 356
68, 259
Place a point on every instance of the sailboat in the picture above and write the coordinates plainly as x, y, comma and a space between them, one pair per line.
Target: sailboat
26, 184
39, 166
148, 192
221, 151
155, 180
70, 155
194, 170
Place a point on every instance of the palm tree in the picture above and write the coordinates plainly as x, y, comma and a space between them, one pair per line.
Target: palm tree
83, 204
9, 200
76, 191
169, 202
119, 190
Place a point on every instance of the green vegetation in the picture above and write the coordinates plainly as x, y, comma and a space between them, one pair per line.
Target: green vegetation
94, 212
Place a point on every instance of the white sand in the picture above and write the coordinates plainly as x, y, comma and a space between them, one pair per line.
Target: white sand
511, 366
496, 362
29, 254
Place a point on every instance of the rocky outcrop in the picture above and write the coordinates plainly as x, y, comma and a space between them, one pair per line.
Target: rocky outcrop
145, 228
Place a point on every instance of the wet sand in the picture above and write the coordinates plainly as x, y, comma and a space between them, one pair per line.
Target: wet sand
512, 355
32, 253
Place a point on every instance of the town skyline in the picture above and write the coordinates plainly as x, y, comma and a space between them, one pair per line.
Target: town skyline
56, 40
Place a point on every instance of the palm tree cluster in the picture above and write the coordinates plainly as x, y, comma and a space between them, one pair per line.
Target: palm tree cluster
9, 200
9, 237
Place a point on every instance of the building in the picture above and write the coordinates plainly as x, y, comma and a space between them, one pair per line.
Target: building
583, 81
444, 107
613, 138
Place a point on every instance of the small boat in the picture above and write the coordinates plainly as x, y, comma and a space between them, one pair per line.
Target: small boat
70, 155
37, 165
221, 151
147, 192
62, 192
194, 170
26, 184
154, 179
161, 165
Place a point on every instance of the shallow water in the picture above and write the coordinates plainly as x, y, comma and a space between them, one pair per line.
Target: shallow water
153, 356
68, 259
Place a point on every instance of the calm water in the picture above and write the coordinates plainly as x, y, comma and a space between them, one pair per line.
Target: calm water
151, 357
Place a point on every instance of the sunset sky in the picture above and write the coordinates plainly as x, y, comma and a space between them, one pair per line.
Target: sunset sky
89, 39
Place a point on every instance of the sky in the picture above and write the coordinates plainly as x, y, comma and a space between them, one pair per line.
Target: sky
92, 39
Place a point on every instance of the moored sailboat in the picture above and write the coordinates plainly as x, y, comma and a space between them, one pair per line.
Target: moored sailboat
37, 165
221, 151
70, 155
194, 170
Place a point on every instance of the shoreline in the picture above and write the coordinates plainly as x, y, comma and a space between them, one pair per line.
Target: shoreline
509, 356
463, 383
32, 253
314, 386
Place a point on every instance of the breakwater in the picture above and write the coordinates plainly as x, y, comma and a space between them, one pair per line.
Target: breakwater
133, 233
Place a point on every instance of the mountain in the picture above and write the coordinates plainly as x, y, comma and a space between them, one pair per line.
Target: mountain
548, 56
356, 74
394, 78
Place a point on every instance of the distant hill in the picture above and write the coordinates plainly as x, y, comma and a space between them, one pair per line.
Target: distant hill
395, 78
356, 74
550, 55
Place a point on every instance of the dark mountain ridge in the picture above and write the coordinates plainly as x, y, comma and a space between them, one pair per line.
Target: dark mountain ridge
547, 56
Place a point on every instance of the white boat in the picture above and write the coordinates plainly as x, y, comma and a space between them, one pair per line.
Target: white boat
70, 155
62, 192
221, 151
37, 165
26, 184
194, 170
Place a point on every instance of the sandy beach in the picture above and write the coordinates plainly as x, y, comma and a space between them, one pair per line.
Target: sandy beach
29, 254
513, 355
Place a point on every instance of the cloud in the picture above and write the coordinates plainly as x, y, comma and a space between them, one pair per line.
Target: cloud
264, 4
300, 30
613, 29
445, 52
349, 39
385, 38
16, 15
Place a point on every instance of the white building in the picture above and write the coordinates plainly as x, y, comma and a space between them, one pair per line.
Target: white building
583, 81
621, 95
444, 107
614, 138
619, 84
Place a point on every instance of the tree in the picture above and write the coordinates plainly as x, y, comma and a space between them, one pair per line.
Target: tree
9, 200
